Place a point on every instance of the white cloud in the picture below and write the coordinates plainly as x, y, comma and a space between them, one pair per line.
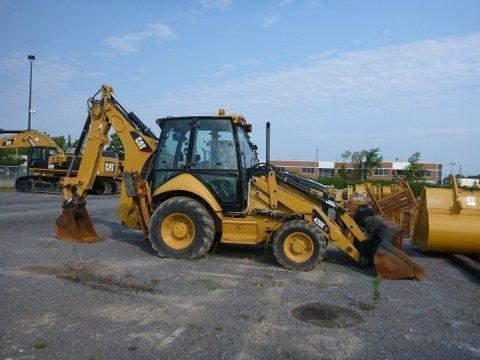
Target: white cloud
380, 79
130, 43
191, 16
240, 66
222, 5
283, 3
159, 30
269, 21
314, 3
385, 91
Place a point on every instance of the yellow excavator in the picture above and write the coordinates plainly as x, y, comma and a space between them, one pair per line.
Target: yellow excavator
48, 163
200, 181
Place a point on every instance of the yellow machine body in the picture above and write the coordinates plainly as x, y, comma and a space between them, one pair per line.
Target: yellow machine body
448, 221
201, 182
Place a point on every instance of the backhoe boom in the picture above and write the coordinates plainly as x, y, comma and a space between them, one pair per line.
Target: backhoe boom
139, 144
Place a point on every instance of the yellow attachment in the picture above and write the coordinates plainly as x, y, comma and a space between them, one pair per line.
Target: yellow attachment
389, 260
178, 231
392, 263
448, 221
298, 247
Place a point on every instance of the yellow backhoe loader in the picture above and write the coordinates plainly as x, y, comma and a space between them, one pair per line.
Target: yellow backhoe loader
201, 182
48, 163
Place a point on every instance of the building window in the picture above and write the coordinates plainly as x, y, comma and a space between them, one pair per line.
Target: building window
381, 172
423, 173
326, 173
308, 170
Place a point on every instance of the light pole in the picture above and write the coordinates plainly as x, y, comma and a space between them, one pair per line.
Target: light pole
452, 164
364, 159
31, 59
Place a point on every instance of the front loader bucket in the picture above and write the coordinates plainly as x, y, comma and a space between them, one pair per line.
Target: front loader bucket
75, 225
448, 221
389, 260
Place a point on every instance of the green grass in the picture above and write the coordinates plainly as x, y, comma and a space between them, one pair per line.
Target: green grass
40, 344
376, 294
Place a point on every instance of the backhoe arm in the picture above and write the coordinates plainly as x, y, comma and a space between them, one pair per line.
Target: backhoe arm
138, 142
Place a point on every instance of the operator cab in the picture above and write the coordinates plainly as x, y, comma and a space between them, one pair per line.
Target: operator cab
217, 150
39, 157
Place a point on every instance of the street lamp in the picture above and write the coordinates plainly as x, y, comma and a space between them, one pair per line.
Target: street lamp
363, 159
452, 164
31, 59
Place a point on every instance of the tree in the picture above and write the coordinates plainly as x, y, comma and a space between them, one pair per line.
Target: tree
414, 168
9, 159
115, 145
60, 141
364, 161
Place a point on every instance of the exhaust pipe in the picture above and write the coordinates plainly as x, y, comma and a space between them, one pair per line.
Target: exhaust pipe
267, 145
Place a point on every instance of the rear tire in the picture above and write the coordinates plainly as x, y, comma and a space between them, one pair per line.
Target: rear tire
299, 245
24, 184
181, 227
98, 187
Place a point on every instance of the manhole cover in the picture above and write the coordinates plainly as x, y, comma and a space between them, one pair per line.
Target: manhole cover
327, 315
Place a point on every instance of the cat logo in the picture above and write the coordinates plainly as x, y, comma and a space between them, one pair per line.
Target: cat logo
109, 167
140, 142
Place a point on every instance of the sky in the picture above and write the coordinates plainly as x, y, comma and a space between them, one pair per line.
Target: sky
329, 75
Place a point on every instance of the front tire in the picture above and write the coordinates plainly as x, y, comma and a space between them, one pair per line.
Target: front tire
299, 245
181, 227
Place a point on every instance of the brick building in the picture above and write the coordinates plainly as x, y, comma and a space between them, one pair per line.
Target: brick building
431, 172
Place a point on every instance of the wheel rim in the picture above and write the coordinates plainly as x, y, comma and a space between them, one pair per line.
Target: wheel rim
178, 231
298, 247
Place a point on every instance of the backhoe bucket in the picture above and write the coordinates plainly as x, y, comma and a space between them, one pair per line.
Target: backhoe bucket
389, 260
448, 221
75, 225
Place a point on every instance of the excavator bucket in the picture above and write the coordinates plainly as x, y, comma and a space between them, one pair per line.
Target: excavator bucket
448, 221
388, 258
75, 225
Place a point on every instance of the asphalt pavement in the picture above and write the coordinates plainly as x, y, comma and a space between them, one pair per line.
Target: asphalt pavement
117, 300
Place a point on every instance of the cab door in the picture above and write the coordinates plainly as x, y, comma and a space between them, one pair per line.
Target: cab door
214, 160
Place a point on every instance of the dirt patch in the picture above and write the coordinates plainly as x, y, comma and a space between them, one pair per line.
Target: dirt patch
90, 274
